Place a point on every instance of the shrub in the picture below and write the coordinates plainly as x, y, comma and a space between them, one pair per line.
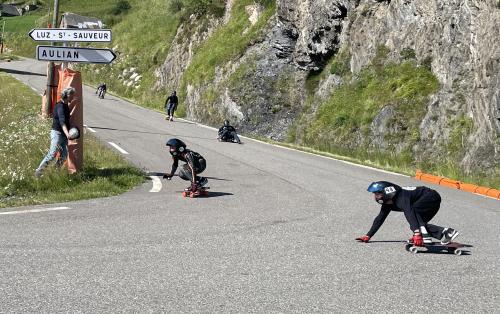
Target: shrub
121, 7
407, 54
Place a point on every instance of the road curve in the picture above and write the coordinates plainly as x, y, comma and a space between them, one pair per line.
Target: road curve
276, 235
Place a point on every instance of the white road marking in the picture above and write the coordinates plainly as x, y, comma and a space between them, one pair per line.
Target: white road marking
27, 211
121, 150
89, 128
156, 184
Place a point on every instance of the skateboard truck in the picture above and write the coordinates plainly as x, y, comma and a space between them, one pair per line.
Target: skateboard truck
452, 247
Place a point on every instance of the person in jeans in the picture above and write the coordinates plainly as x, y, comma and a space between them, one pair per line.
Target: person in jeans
59, 134
419, 205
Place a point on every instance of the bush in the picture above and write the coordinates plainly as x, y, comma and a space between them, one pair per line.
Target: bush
186, 8
342, 63
121, 7
407, 54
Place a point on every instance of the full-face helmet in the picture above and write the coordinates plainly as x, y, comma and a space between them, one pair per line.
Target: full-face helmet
387, 189
176, 146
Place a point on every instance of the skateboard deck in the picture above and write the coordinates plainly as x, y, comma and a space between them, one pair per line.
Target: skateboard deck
452, 247
203, 191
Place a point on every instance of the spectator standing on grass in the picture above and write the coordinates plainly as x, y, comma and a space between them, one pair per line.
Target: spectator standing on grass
59, 134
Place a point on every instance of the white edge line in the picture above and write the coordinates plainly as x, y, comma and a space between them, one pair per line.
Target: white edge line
121, 150
304, 152
89, 128
156, 184
33, 211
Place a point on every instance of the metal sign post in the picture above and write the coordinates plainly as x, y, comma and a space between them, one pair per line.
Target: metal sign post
50, 76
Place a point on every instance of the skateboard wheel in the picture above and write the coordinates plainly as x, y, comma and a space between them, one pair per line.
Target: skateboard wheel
414, 250
191, 195
184, 194
458, 252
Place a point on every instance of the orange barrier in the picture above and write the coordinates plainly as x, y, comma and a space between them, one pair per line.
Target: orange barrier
482, 190
493, 193
466, 187
450, 183
418, 174
431, 178
68, 77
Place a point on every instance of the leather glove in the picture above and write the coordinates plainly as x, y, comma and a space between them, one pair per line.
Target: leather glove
167, 176
417, 240
364, 239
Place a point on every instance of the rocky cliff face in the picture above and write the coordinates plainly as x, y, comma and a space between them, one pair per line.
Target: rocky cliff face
461, 40
263, 91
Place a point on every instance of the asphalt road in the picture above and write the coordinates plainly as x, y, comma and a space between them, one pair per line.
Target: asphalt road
276, 234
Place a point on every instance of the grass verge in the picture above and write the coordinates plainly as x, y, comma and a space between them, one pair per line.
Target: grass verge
24, 139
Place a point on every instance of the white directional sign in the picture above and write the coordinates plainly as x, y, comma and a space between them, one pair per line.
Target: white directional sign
74, 54
71, 34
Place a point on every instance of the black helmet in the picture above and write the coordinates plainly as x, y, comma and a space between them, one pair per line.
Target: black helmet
176, 146
226, 122
388, 189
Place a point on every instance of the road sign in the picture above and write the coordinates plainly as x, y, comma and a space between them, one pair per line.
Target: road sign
71, 34
74, 54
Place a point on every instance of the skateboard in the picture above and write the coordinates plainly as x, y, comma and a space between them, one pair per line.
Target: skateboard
452, 247
203, 191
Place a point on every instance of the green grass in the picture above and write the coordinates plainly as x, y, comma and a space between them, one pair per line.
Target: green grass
16, 32
353, 106
8, 56
227, 43
24, 140
347, 115
140, 45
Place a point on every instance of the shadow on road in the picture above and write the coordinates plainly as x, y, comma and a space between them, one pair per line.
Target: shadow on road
160, 174
387, 241
212, 194
20, 72
180, 121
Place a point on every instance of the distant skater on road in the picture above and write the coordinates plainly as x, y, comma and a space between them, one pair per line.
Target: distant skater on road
101, 90
171, 105
227, 133
419, 205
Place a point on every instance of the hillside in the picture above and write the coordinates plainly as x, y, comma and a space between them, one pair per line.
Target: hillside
398, 84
